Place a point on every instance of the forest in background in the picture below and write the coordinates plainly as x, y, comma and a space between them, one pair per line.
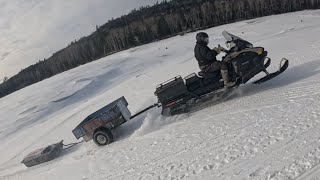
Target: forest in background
146, 25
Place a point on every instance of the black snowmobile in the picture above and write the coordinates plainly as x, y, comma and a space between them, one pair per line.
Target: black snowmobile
180, 95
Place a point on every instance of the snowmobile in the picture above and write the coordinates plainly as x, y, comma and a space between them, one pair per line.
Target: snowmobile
179, 95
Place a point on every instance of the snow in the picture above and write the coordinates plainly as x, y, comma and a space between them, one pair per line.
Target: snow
267, 131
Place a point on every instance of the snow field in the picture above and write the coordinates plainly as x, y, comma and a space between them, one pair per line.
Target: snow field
268, 131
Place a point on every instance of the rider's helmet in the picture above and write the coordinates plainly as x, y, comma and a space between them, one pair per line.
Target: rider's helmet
203, 38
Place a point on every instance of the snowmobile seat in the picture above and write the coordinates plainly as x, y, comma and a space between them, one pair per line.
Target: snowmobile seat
209, 75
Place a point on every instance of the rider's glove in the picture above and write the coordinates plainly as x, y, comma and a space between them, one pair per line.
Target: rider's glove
222, 49
219, 49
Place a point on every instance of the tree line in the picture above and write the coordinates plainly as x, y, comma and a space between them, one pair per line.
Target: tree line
149, 24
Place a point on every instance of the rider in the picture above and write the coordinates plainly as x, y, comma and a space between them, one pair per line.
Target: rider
207, 58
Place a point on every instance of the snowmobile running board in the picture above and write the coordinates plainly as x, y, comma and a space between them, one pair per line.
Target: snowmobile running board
283, 66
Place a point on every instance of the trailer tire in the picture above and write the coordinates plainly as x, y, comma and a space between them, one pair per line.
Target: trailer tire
102, 137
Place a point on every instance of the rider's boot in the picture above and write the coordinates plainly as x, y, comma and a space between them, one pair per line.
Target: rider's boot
226, 80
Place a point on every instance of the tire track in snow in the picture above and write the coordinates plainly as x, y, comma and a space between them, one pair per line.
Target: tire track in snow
272, 98
290, 144
300, 166
269, 98
296, 123
312, 174
236, 152
295, 95
154, 162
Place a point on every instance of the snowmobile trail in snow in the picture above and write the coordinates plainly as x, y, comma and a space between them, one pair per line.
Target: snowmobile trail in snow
217, 151
274, 99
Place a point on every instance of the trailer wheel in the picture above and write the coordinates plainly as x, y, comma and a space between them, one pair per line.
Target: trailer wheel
103, 137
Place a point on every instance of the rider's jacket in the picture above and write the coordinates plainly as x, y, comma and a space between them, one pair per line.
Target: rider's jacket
204, 55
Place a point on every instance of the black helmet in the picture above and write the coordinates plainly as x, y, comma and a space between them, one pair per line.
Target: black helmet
203, 38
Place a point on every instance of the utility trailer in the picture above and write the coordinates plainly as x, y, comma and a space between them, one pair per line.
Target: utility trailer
98, 125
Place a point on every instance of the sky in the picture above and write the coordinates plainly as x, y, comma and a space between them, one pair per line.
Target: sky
31, 30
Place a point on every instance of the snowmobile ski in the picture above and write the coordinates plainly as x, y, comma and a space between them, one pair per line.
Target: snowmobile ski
267, 64
283, 66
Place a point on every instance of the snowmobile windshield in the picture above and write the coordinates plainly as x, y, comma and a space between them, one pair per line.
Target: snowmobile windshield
233, 41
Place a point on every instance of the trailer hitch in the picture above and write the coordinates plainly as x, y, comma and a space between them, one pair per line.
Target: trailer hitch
146, 109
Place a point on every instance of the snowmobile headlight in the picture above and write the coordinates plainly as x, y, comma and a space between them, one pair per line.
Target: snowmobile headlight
260, 51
